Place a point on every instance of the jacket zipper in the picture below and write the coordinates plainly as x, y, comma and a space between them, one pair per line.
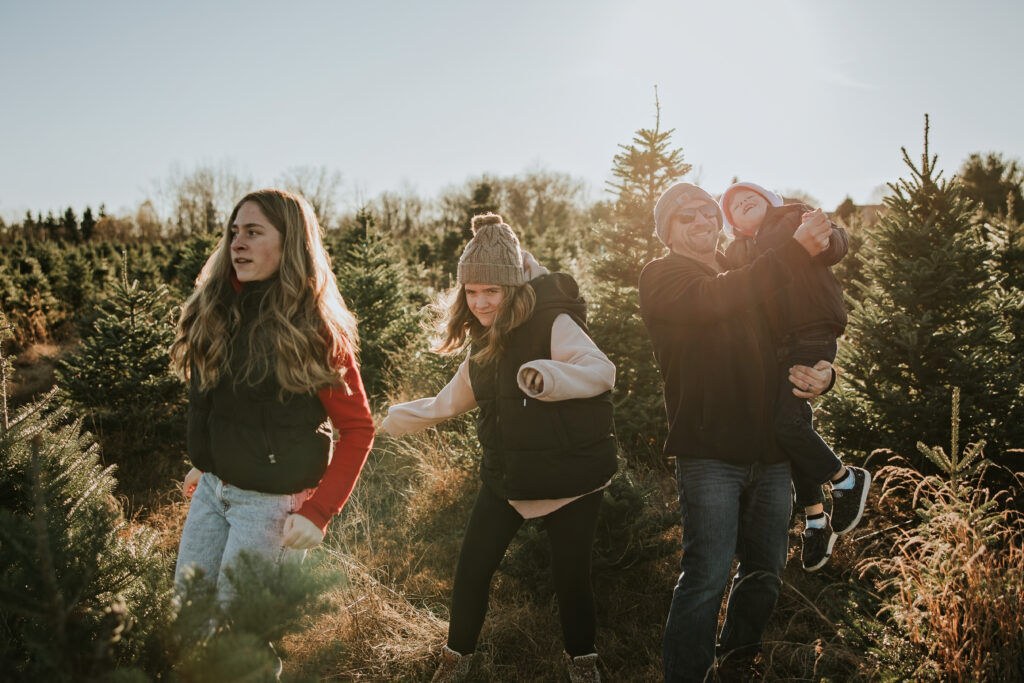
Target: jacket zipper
266, 438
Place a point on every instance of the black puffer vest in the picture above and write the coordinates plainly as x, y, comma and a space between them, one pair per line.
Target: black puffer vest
541, 449
248, 435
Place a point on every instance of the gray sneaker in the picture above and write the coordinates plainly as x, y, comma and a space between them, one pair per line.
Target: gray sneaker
817, 546
453, 667
848, 504
582, 669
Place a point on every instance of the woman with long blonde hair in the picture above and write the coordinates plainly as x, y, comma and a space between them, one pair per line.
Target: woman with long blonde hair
545, 428
267, 347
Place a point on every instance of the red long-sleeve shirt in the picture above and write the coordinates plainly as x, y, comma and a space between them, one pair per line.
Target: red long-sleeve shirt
350, 417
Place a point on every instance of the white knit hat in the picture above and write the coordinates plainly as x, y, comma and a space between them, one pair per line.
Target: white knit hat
672, 200
773, 199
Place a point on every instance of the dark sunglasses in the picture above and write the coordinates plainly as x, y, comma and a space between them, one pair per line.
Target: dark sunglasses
686, 216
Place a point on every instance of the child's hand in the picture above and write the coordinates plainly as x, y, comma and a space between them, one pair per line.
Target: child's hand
188, 487
300, 533
814, 233
533, 380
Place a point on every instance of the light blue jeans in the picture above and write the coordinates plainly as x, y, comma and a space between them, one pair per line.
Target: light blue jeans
224, 520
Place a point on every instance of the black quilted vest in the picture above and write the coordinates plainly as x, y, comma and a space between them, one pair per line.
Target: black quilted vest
251, 436
541, 449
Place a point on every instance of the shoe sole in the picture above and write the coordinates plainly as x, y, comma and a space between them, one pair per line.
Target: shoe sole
828, 553
860, 507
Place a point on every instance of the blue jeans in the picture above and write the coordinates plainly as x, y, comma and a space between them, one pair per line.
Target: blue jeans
727, 511
814, 463
224, 520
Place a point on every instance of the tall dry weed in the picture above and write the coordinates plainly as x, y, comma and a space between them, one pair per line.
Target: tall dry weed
954, 584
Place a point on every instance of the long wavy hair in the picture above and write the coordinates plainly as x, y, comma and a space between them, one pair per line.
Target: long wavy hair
457, 322
303, 324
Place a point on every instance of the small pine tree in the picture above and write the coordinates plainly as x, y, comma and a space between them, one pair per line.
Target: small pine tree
86, 595
119, 378
374, 283
88, 224
645, 169
928, 315
81, 589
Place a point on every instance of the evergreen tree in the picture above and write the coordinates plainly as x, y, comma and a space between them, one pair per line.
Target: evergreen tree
69, 226
120, 378
995, 183
644, 169
86, 595
81, 589
1007, 237
929, 316
88, 224
191, 258
375, 286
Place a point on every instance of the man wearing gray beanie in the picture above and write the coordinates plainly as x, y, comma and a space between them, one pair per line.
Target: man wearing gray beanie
718, 364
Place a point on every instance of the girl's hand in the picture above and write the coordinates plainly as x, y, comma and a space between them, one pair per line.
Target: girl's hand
810, 382
300, 533
188, 487
533, 380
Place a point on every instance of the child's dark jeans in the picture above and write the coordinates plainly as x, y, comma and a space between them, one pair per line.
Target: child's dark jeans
812, 460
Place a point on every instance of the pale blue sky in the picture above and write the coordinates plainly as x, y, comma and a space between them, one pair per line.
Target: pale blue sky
99, 100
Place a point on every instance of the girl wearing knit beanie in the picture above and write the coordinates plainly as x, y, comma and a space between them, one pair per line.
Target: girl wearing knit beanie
806, 319
545, 428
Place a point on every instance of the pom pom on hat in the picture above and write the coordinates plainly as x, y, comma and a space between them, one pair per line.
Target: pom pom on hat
773, 199
673, 199
493, 256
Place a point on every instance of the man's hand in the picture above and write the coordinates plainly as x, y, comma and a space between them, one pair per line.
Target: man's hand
814, 232
300, 533
810, 382
188, 487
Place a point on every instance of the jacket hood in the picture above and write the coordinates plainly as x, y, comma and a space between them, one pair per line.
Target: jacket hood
559, 290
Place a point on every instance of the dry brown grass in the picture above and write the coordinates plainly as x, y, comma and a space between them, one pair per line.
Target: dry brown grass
954, 585
398, 538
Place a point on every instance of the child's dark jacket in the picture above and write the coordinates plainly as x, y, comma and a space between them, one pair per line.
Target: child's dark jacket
814, 298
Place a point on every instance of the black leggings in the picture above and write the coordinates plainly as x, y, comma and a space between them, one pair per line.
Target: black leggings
492, 525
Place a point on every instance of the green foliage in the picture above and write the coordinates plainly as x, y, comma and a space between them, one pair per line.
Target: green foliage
644, 169
86, 595
929, 314
219, 641
81, 590
997, 184
119, 377
376, 287
191, 258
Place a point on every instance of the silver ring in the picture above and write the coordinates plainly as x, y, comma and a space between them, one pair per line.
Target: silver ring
808, 388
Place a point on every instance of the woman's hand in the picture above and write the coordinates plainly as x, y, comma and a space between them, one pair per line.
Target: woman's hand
188, 487
300, 533
810, 382
533, 380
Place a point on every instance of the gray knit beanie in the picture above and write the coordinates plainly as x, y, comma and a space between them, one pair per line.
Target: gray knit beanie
671, 200
493, 256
